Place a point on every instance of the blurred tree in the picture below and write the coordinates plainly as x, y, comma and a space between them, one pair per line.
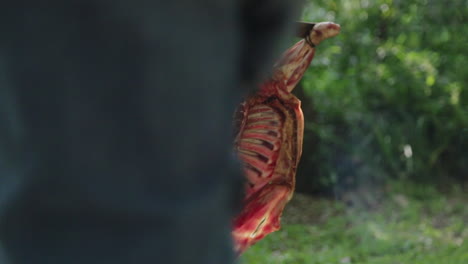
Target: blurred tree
389, 94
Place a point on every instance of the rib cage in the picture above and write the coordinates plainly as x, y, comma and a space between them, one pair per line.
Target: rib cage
260, 142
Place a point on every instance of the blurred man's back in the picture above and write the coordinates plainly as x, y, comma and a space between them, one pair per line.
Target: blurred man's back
115, 126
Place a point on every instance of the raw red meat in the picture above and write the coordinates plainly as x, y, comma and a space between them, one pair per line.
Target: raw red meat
269, 139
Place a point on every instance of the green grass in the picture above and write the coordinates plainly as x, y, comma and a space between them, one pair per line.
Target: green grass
410, 224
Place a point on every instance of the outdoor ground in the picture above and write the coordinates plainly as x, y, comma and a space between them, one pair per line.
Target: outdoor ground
410, 224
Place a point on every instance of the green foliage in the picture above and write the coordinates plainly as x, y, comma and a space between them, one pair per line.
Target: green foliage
414, 224
388, 94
